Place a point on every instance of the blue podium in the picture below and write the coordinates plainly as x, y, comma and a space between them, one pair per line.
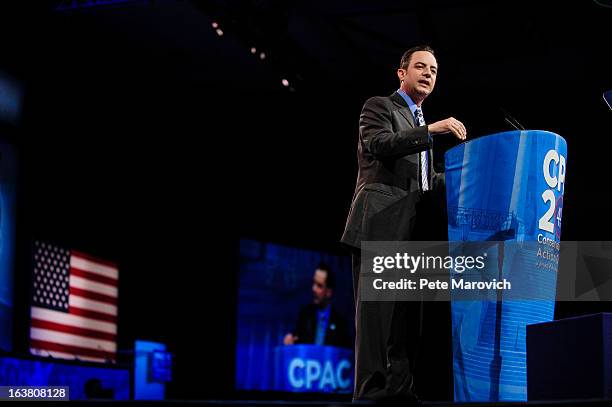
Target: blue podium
505, 188
313, 368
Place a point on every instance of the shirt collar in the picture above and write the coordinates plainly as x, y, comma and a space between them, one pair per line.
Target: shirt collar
325, 310
408, 100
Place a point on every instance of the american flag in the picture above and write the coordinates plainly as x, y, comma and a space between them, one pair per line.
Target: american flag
74, 305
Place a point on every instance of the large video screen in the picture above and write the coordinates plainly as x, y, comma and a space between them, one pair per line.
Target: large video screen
295, 320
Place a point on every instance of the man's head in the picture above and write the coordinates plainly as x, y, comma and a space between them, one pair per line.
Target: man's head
417, 72
323, 284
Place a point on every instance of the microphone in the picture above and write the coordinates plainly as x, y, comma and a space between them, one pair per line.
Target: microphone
607, 95
511, 120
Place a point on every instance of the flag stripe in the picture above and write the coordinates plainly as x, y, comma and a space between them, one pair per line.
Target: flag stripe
37, 323
76, 253
62, 355
96, 268
64, 318
92, 314
92, 305
72, 340
92, 276
75, 350
92, 295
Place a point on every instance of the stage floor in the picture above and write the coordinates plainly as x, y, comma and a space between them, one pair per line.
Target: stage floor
281, 403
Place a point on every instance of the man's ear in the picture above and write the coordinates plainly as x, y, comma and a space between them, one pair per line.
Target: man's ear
400, 74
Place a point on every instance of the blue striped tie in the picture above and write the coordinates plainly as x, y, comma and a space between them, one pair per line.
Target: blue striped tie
418, 113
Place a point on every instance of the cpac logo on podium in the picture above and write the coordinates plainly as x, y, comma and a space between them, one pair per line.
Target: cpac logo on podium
554, 175
307, 374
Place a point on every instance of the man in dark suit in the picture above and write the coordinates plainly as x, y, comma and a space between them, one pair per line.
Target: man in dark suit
394, 200
319, 322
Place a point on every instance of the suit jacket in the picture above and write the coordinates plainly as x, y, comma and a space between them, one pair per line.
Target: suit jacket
388, 182
336, 334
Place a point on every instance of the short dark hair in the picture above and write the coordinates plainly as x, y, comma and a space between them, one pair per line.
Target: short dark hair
330, 279
405, 61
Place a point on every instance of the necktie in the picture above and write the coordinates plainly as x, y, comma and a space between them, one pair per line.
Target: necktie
418, 113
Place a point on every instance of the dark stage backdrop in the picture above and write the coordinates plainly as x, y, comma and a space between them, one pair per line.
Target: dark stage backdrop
147, 139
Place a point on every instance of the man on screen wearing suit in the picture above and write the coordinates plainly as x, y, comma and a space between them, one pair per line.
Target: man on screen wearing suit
320, 323
393, 201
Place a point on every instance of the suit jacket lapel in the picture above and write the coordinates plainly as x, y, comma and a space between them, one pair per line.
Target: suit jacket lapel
404, 109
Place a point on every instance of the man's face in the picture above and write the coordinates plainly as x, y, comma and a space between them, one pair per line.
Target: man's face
419, 78
320, 292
